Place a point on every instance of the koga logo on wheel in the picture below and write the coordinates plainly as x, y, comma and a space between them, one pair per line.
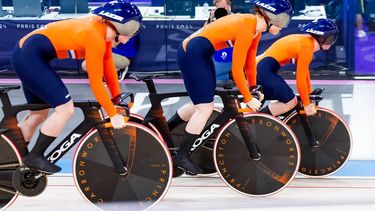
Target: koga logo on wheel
204, 136
65, 146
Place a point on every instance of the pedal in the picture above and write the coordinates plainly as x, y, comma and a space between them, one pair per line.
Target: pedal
29, 181
188, 172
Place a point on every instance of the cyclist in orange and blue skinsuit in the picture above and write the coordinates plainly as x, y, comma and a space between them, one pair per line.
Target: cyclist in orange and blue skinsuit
115, 22
195, 61
321, 35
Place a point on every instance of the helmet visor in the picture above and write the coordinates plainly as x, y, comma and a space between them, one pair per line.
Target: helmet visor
131, 28
281, 20
135, 33
331, 39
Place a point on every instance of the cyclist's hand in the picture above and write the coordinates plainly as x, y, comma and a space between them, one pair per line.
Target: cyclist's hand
121, 110
254, 104
310, 110
118, 121
260, 95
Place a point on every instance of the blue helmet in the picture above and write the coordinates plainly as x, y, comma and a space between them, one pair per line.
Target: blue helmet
323, 30
125, 16
276, 12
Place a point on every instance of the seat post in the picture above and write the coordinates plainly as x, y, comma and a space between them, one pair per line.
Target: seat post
150, 86
4, 98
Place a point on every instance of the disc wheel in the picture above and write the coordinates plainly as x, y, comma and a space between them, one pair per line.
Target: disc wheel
280, 156
335, 143
149, 169
10, 160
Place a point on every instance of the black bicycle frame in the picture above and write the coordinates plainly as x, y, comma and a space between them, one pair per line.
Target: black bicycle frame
92, 119
231, 105
156, 114
305, 120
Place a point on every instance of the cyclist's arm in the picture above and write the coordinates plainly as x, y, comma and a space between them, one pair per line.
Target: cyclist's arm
251, 62
244, 39
110, 73
307, 78
302, 73
94, 60
308, 82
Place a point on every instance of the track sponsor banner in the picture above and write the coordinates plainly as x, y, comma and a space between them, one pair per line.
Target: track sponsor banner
158, 43
11, 31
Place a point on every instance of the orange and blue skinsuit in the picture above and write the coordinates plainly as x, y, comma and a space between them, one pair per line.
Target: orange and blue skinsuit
195, 55
296, 47
74, 38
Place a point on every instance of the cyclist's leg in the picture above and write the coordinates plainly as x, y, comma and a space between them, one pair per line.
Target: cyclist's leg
55, 123
33, 118
182, 115
274, 88
194, 73
192, 131
280, 108
122, 64
53, 93
198, 120
31, 121
203, 99
186, 111
202, 94
50, 129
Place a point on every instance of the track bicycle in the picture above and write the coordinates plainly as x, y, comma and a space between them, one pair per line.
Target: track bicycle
325, 138
127, 168
255, 154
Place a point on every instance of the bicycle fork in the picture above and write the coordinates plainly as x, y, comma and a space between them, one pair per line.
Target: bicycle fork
307, 127
121, 166
247, 137
231, 106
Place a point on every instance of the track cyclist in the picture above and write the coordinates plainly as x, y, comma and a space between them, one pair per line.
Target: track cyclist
194, 56
114, 22
320, 34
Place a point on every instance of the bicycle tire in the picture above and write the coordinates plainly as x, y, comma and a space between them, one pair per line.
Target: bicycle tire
278, 165
203, 155
149, 174
10, 160
335, 143
139, 119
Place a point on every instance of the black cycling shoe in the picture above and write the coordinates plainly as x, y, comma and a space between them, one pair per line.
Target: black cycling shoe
182, 159
35, 158
184, 162
41, 163
27, 152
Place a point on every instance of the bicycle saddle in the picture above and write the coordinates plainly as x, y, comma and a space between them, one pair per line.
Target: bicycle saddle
7, 88
317, 91
315, 95
144, 76
229, 84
